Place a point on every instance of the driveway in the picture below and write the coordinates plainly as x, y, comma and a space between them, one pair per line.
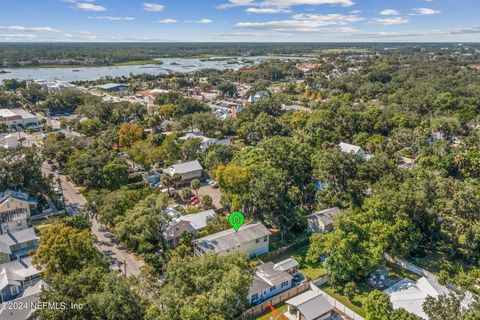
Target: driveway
214, 193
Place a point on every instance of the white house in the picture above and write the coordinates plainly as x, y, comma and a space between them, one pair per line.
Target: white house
268, 282
259, 95
410, 295
179, 224
188, 170
355, 150
322, 221
251, 239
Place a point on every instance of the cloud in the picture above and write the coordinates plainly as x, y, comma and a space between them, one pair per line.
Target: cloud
283, 3
389, 12
110, 18
167, 20
267, 10
90, 7
204, 21
304, 23
8, 37
30, 29
421, 33
390, 21
426, 11
153, 7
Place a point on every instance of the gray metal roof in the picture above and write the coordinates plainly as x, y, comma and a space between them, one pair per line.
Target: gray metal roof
16, 237
108, 86
29, 296
266, 276
349, 148
229, 239
311, 304
185, 167
198, 220
325, 216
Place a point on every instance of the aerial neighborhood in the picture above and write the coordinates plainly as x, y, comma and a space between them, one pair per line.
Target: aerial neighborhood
300, 182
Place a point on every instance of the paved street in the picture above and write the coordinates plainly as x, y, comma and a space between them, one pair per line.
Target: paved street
118, 254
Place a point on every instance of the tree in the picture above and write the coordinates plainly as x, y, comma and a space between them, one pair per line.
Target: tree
166, 181
128, 134
207, 202
64, 249
187, 295
402, 314
102, 295
195, 185
444, 307
142, 227
378, 306
115, 175
190, 148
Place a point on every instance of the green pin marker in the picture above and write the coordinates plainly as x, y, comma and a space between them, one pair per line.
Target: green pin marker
236, 220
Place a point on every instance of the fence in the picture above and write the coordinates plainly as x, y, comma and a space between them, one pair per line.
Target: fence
276, 253
427, 274
258, 309
341, 308
322, 280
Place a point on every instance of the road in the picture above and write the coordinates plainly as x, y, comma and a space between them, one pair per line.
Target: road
106, 242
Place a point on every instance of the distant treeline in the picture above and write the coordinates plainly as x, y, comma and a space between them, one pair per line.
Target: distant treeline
31, 54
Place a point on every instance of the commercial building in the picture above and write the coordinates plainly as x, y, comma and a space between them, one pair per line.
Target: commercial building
113, 87
14, 118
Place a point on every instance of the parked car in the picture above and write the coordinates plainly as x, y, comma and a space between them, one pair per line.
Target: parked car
213, 184
195, 200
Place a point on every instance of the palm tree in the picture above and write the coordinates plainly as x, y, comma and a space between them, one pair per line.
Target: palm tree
176, 179
195, 185
166, 181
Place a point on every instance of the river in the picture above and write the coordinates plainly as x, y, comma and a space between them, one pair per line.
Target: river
94, 73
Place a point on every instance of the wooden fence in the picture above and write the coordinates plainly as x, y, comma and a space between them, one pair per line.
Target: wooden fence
281, 251
258, 309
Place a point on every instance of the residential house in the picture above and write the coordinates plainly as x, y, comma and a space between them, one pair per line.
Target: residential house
15, 211
205, 141
268, 282
15, 277
310, 305
251, 239
188, 170
352, 149
179, 224
29, 298
410, 295
11, 141
322, 221
258, 96
17, 244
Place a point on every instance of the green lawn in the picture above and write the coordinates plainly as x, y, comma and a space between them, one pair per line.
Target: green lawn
313, 271
281, 308
398, 273
356, 304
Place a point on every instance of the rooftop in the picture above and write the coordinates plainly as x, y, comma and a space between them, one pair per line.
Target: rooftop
349, 148
185, 167
108, 86
311, 304
12, 238
229, 239
326, 216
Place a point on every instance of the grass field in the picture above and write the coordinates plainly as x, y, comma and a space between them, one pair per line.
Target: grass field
281, 308
356, 304
312, 271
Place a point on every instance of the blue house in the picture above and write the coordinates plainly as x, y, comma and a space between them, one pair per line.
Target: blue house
15, 277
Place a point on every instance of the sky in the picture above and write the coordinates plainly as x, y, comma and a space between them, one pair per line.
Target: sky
240, 21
